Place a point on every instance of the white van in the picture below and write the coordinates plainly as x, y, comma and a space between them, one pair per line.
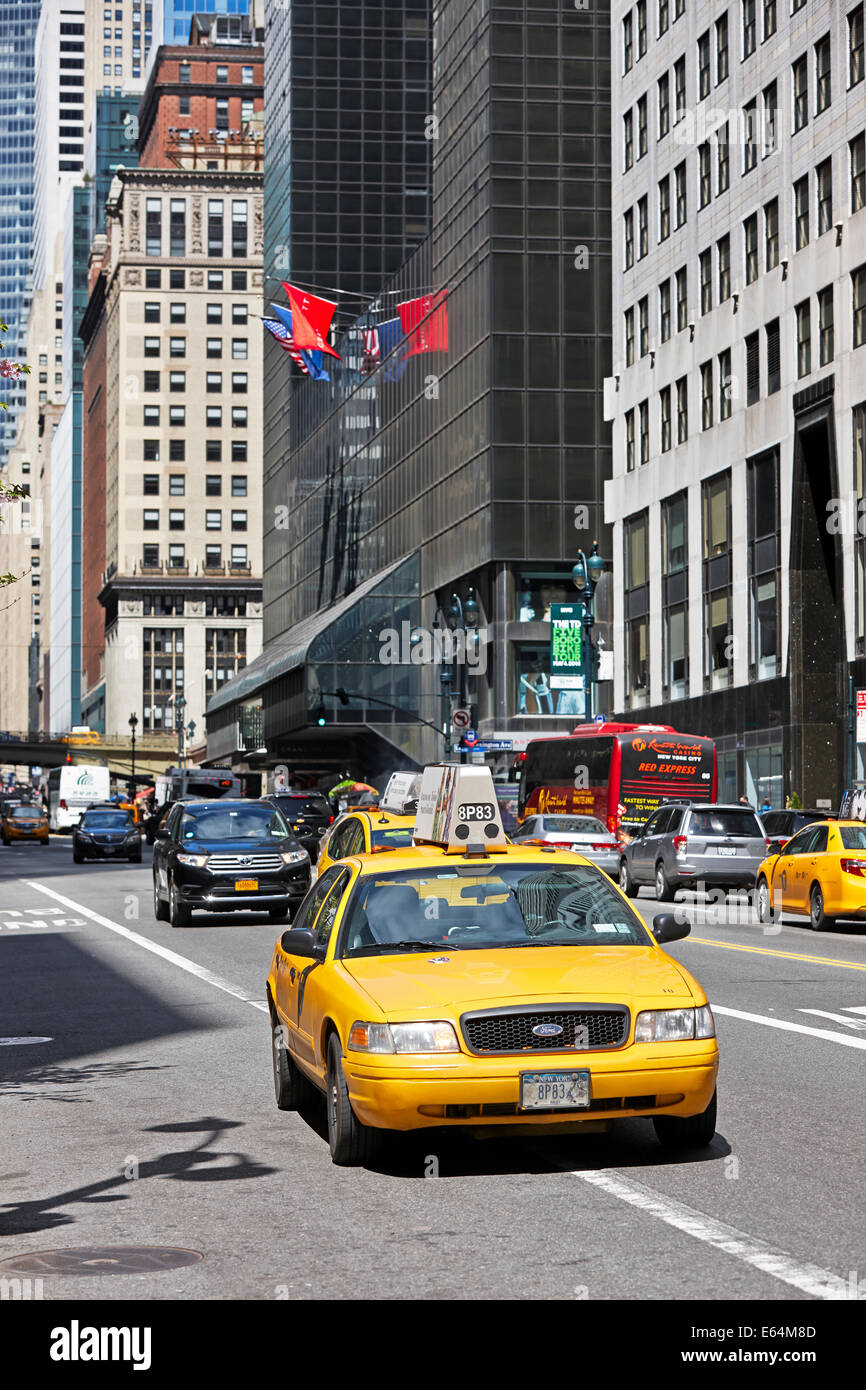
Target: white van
71, 790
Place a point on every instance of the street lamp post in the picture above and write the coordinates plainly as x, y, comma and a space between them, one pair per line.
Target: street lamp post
133, 725
179, 707
461, 616
585, 576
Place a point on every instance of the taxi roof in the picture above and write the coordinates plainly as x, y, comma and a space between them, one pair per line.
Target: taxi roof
415, 856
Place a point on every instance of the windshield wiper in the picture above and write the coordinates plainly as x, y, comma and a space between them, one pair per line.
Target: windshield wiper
410, 946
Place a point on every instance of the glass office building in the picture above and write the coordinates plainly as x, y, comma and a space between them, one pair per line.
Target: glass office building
172, 18
464, 440
17, 77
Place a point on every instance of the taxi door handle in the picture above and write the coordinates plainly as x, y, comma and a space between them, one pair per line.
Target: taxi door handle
292, 974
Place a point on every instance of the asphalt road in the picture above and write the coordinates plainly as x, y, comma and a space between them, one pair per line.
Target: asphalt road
147, 1118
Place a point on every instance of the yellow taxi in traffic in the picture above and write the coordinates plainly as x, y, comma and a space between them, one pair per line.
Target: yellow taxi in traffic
820, 873
373, 829
24, 822
468, 982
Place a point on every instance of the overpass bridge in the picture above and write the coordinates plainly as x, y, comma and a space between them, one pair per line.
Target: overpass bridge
153, 752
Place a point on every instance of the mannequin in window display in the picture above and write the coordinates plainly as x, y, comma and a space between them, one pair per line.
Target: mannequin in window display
526, 613
535, 683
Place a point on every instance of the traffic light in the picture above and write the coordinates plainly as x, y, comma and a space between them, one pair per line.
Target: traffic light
341, 695
321, 715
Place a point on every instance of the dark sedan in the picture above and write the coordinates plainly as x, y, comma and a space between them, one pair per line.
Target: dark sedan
106, 832
226, 856
308, 815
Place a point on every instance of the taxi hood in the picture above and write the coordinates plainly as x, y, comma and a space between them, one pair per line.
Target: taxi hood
409, 986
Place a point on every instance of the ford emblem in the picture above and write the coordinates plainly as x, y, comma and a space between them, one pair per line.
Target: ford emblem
547, 1030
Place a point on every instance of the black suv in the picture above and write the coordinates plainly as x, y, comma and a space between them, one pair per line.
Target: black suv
309, 815
106, 832
226, 856
781, 825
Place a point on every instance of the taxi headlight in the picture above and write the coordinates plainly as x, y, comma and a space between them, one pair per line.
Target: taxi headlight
193, 861
674, 1025
294, 856
403, 1037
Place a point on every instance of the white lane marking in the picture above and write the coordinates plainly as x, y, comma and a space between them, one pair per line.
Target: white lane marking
172, 957
809, 1278
22, 1042
854, 1008
790, 1027
836, 1018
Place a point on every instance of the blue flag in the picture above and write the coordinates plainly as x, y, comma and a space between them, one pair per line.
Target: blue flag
390, 336
311, 358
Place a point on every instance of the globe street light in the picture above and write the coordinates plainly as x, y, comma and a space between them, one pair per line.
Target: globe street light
179, 707
133, 725
585, 576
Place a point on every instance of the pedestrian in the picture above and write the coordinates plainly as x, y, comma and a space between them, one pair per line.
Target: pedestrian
744, 801
766, 805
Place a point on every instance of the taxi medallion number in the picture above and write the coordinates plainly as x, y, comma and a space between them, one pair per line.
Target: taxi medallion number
554, 1090
246, 885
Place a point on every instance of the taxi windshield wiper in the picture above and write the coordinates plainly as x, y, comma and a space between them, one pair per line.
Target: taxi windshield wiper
411, 946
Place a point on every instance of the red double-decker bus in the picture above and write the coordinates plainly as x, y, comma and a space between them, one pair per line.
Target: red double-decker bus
620, 773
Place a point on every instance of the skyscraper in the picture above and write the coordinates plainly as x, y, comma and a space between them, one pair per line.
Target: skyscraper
172, 18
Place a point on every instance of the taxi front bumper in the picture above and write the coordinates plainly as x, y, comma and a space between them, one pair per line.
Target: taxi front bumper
482, 1091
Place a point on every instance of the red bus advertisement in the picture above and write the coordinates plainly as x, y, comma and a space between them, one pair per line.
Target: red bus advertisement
620, 773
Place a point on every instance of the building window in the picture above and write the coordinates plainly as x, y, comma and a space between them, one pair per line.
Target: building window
764, 547
239, 417
663, 17
239, 485
804, 338
858, 173
682, 410
177, 347
177, 416
769, 18
679, 9
704, 65
723, 249
214, 279
184, 106
641, 28
150, 453
726, 385
214, 416
800, 83
641, 128
177, 227
679, 89
750, 235
239, 228
771, 234
222, 73
858, 290
239, 521
627, 140
176, 486
239, 557
215, 228
629, 336
246, 76
643, 322
721, 48
213, 380
664, 208
177, 312
665, 418
183, 72
151, 347
214, 348
774, 375
825, 326
150, 557
824, 180
177, 556
152, 278
225, 655
705, 182
213, 521
822, 74
769, 114
748, 28
213, 450
724, 158
240, 380
153, 226
629, 441
151, 415
177, 450
706, 271
213, 485
718, 656
239, 279
151, 313
177, 381
642, 228
643, 422
682, 299
213, 559
707, 395
801, 213
627, 44
750, 135
665, 310
753, 369
176, 279
855, 46
675, 585
239, 451
680, 194
628, 231
664, 90
150, 486
637, 610
222, 113
150, 520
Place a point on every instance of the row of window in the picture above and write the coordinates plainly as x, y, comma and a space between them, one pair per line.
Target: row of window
634, 34
221, 116
222, 74
177, 313
169, 605
177, 451
213, 380
177, 484
214, 348
216, 216
177, 520
177, 279
150, 556
213, 416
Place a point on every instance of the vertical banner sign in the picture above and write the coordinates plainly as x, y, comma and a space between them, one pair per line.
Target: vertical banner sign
566, 646
861, 716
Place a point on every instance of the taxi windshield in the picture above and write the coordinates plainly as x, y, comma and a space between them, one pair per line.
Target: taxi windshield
397, 837
483, 907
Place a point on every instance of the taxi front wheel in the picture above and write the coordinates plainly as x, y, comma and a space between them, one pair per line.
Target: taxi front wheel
694, 1132
350, 1142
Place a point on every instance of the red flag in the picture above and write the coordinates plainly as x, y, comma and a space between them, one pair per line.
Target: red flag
425, 323
311, 317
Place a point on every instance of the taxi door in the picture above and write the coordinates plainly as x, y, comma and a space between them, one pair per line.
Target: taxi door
293, 967
813, 864
315, 992
791, 870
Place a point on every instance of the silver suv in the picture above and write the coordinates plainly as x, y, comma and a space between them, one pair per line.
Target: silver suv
682, 846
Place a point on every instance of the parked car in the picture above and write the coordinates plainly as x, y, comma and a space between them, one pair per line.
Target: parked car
308, 814
586, 835
685, 846
106, 832
781, 825
24, 821
226, 856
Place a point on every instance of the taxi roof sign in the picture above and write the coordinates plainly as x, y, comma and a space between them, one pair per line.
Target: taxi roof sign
402, 787
458, 809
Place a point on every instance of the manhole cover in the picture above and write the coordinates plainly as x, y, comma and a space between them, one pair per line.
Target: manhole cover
101, 1259
22, 1042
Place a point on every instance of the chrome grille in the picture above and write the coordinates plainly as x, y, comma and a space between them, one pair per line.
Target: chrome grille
585, 1027
243, 862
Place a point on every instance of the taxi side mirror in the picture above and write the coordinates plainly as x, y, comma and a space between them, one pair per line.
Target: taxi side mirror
302, 941
161, 833
666, 927
775, 847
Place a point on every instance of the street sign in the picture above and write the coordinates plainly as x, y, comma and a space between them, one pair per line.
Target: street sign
600, 718
861, 716
470, 737
460, 719
566, 646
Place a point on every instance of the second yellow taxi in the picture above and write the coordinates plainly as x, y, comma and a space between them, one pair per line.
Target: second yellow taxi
820, 873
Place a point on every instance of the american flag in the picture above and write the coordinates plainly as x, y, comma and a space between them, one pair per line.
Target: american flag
371, 351
286, 341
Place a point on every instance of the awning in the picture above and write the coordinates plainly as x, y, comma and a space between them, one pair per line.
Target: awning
289, 651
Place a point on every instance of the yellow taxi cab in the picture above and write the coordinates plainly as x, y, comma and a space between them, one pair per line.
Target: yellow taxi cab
26, 821
373, 829
465, 981
820, 873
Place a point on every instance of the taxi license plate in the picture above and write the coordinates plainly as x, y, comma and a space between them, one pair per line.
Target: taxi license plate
246, 885
554, 1090
725, 849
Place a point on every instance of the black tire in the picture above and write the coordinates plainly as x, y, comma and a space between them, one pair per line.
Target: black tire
664, 891
764, 902
135, 859
160, 909
350, 1142
77, 857
178, 914
818, 920
278, 914
291, 1088
694, 1132
625, 880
